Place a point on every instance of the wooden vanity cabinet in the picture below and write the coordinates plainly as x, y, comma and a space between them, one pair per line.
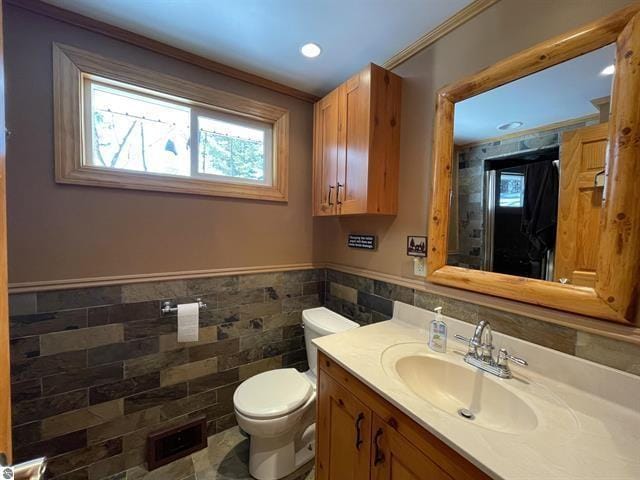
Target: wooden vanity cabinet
345, 427
394, 458
361, 436
356, 146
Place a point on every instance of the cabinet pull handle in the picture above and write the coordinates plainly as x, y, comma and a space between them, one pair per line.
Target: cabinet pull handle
331, 187
338, 201
379, 456
359, 440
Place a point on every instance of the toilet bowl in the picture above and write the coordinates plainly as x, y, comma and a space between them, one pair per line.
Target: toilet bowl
277, 408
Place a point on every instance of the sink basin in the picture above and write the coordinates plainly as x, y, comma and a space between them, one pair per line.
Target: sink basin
465, 392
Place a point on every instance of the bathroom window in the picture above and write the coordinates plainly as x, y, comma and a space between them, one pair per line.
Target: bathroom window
131, 131
511, 190
152, 132
230, 150
142, 132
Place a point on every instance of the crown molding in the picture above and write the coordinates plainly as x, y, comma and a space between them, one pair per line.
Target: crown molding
41, 8
467, 13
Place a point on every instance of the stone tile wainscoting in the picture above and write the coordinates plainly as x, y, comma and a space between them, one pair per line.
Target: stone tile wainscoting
366, 300
95, 370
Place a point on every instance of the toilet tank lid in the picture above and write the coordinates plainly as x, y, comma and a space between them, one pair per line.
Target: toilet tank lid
326, 322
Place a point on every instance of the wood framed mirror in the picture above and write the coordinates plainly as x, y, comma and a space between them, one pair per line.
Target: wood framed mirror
592, 161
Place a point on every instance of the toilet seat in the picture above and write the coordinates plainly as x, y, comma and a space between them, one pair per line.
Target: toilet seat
272, 394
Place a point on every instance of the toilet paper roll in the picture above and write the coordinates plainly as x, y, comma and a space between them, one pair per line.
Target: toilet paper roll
188, 322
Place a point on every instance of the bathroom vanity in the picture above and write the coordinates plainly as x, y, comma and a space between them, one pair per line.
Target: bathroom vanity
390, 408
388, 444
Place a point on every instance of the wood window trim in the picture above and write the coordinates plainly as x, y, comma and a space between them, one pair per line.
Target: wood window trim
615, 296
69, 66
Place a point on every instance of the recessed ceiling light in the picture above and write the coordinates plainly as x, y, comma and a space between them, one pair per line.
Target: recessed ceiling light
310, 50
610, 70
510, 126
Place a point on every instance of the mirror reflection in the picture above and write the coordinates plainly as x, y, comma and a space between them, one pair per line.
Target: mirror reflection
528, 173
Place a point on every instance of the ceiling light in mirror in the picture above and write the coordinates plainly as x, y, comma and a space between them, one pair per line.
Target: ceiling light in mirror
310, 50
510, 126
610, 70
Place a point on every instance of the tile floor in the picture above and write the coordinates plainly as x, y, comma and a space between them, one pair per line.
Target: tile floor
225, 458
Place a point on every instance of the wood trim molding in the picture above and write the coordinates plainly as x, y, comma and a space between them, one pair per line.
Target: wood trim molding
614, 331
623, 333
71, 65
531, 131
615, 296
460, 18
556, 50
5, 362
49, 285
66, 16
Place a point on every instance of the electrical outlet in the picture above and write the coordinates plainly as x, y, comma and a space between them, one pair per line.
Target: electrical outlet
418, 267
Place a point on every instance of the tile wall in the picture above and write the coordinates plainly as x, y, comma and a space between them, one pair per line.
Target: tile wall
366, 300
95, 370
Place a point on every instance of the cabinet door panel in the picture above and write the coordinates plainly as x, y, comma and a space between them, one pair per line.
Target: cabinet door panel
344, 433
353, 160
394, 458
326, 151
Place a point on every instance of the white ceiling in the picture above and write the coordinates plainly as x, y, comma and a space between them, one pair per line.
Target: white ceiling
264, 36
559, 93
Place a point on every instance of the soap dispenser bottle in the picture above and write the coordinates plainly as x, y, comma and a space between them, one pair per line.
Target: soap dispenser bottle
438, 333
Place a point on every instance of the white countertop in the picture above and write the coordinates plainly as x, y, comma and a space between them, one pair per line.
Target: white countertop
588, 414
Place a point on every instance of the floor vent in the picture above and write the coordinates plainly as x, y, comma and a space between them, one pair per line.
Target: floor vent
165, 446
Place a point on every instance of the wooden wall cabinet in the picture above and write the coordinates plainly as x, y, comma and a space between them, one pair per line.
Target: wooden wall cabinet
357, 146
361, 436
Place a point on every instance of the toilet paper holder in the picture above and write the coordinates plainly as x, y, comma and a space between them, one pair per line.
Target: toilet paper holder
169, 307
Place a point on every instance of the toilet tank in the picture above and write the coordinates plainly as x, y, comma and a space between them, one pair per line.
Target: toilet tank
319, 322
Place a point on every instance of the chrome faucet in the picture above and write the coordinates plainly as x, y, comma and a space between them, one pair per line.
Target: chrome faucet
480, 352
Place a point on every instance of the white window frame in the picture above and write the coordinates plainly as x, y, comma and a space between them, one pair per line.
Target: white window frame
75, 68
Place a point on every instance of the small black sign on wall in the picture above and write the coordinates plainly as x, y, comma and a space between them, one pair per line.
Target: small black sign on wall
368, 242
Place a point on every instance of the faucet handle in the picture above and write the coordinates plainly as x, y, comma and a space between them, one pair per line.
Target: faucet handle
472, 348
503, 356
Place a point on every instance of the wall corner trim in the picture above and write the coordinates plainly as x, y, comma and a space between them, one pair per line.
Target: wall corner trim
458, 19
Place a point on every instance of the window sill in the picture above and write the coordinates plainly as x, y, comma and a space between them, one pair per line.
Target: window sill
99, 177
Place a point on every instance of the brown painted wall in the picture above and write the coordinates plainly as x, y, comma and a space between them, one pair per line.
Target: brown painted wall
504, 29
67, 232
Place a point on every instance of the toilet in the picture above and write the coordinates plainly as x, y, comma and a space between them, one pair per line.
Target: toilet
277, 408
